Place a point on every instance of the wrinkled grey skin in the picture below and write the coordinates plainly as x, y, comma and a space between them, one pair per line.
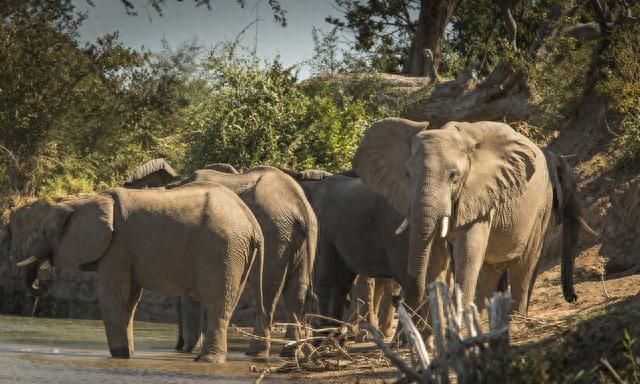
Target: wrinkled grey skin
492, 184
290, 231
564, 228
199, 241
355, 237
373, 293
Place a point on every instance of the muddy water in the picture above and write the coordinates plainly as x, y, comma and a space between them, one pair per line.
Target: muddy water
38, 350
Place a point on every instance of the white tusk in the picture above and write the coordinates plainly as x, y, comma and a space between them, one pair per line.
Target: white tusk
445, 227
45, 265
26, 262
402, 226
587, 228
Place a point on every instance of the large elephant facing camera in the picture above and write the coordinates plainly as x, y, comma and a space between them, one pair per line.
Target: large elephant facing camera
198, 241
482, 186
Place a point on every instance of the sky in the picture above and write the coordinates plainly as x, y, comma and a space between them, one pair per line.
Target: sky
183, 21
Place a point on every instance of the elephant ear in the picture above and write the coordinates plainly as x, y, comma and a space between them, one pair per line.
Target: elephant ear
86, 231
381, 159
563, 182
501, 163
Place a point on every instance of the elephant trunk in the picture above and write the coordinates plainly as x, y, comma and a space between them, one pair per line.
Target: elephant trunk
35, 286
570, 228
40, 259
423, 222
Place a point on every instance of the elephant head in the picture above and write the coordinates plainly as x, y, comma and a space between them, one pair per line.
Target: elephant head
73, 234
439, 178
153, 173
567, 211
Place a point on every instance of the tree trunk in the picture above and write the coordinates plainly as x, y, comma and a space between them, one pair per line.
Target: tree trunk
432, 21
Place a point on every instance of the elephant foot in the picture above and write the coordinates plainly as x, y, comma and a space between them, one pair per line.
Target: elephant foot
189, 348
120, 353
179, 346
258, 348
288, 351
258, 354
211, 358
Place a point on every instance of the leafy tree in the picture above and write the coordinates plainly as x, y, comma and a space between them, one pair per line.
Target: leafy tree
327, 56
385, 26
67, 110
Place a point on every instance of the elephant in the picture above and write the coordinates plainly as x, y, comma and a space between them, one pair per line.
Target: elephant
482, 187
375, 293
355, 237
198, 241
290, 230
153, 173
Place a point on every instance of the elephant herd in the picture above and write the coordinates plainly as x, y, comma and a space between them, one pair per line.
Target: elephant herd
471, 201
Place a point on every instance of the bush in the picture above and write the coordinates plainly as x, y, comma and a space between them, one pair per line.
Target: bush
622, 86
254, 115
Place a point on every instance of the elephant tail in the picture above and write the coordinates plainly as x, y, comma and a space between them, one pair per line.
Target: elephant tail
258, 265
311, 241
570, 228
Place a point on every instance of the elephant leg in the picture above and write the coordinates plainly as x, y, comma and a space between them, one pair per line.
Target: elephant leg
503, 283
180, 340
294, 295
522, 273
468, 255
327, 258
489, 282
118, 297
375, 291
532, 283
134, 299
273, 280
340, 290
523, 270
214, 348
385, 289
192, 323
219, 297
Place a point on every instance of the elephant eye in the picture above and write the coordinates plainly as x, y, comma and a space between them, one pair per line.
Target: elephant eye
454, 176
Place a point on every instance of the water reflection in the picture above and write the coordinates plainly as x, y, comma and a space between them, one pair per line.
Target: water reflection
37, 350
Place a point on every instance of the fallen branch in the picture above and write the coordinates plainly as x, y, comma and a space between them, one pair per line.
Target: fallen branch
286, 343
411, 373
613, 372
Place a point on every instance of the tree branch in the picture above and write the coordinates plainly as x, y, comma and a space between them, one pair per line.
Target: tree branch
509, 21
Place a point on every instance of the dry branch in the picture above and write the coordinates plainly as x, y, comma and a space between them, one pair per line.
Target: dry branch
469, 356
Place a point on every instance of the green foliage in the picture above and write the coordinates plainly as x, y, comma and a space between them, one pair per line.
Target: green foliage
557, 80
80, 118
327, 57
477, 31
633, 360
544, 368
383, 30
71, 112
254, 115
622, 86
